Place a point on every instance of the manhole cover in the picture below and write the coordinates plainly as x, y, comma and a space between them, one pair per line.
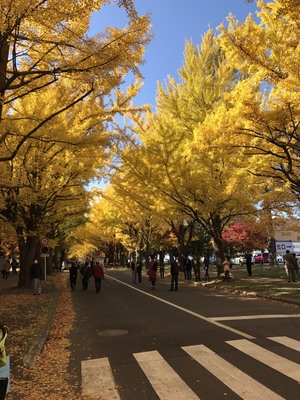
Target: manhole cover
113, 332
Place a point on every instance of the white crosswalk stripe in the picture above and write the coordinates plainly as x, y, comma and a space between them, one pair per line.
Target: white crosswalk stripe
287, 342
168, 385
280, 364
239, 382
100, 374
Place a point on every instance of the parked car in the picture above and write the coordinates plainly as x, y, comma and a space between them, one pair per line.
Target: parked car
261, 258
212, 259
167, 258
298, 257
238, 259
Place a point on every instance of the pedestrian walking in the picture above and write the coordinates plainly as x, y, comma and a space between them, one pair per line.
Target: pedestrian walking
249, 264
174, 275
73, 275
152, 273
290, 265
296, 265
185, 266
162, 268
139, 269
226, 268
206, 267
197, 269
133, 269
98, 274
189, 266
36, 276
85, 272
14, 264
6, 269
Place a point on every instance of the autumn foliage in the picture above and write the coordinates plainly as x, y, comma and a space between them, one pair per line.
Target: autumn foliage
245, 237
59, 88
221, 146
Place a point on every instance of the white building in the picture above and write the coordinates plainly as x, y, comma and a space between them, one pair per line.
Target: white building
287, 237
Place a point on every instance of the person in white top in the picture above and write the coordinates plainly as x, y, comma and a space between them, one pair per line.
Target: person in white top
226, 268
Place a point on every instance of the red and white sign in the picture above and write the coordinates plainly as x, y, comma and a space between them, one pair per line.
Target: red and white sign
282, 246
44, 241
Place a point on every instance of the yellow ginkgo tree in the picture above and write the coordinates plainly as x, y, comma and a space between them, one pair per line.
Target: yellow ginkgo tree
267, 50
59, 88
185, 158
49, 175
43, 43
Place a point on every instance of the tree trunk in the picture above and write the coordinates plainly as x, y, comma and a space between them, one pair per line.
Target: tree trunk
218, 248
28, 252
4, 52
184, 236
147, 254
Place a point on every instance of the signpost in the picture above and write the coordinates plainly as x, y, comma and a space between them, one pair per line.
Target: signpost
45, 253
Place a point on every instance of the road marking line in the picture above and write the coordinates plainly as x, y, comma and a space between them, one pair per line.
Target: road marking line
263, 316
165, 381
272, 360
211, 321
98, 380
239, 382
287, 342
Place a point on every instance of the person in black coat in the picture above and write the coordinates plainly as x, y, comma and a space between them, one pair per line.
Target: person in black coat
36, 276
174, 276
249, 264
73, 275
139, 268
85, 272
206, 267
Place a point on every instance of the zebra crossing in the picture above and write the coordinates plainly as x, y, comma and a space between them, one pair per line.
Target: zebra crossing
168, 385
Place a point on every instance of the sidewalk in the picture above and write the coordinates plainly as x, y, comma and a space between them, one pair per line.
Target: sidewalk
28, 319
35, 312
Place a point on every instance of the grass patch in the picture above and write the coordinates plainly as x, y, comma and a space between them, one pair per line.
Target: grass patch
264, 281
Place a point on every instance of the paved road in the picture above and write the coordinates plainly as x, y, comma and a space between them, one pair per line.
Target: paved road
134, 343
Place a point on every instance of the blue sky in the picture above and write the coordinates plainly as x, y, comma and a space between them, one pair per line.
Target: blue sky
174, 22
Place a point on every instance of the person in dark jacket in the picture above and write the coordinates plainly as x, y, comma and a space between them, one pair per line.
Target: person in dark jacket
189, 267
14, 264
36, 276
290, 264
206, 267
6, 269
174, 275
85, 273
139, 268
197, 269
73, 275
249, 264
133, 269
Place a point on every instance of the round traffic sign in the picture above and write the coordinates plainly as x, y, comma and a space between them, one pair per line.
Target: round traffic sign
44, 250
44, 241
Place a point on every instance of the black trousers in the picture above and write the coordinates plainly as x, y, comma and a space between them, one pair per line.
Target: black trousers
98, 284
174, 282
249, 269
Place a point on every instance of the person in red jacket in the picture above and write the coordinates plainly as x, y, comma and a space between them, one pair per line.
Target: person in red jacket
152, 272
98, 274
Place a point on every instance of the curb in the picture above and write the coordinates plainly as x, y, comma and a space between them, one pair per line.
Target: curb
254, 294
39, 342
